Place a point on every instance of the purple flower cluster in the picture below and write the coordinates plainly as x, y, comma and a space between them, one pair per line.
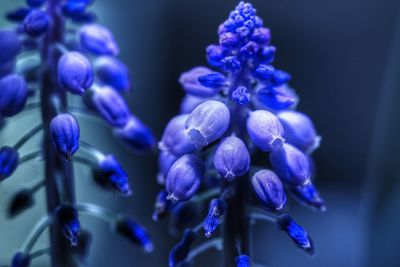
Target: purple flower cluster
228, 114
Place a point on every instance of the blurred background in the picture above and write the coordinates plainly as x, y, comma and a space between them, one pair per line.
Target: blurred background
344, 57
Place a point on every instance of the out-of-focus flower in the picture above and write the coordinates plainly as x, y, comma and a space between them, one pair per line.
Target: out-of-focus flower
20, 202
113, 72
190, 102
35, 3
269, 189
18, 14
134, 232
65, 132
98, 40
10, 45
36, 23
181, 250
215, 210
67, 217
21, 259
197, 80
309, 196
9, 158
13, 95
277, 98
161, 206
165, 161
242, 261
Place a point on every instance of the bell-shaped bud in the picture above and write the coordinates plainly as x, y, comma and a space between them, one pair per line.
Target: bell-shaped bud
86, 18
136, 135
10, 45
73, 9
232, 159
296, 233
36, 23
165, 161
67, 217
134, 232
190, 102
215, 54
266, 54
242, 261
35, 3
241, 95
216, 209
291, 165
191, 82
175, 139
18, 14
109, 174
21, 259
280, 77
212, 80
265, 130
109, 105
261, 35
277, 98
228, 40
180, 251
9, 158
231, 63
249, 50
20, 202
65, 132
75, 73
13, 95
161, 206
98, 40
184, 176
269, 189
308, 195
113, 72
299, 130
264, 72
207, 122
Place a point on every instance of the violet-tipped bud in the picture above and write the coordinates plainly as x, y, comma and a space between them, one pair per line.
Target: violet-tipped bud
113, 72
297, 233
232, 158
190, 102
75, 73
265, 130
242, 261
161, 206
134, 232
266, 54
184, 176
98, 40
67, 217
65, 132
212, 80
13, 95
264, 72
109, 105
74, 9
35, 3
10, 45
21, 201
231, 63
21, 259
109, 174
180, 251
175, 139
18, 14
136, 135
291, 165
309, 196
261, 36
299, 130
249, 50
9, 158
215, 54
207, 122
280, 77
216, 209
228, 40
269, 189
36, 23
277, 98
191, 83
241, 95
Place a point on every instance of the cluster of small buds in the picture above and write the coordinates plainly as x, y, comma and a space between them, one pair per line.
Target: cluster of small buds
226, 116
81, 56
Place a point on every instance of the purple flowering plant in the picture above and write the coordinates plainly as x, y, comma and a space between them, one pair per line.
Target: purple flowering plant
233, 116
54, 52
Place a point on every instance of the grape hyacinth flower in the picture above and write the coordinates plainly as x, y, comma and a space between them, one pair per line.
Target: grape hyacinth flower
57, 53
240, 108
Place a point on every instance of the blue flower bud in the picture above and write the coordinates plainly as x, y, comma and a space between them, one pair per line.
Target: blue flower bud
258, 22
216, 209
232, 159
191, 83
113, 72
190, 102
207, 122
265, 130
242, 261
74, 9
291, 165
277, 98
161, 206
231, 63
134, 232
212, 80
308, 195
299, 130
215, 54
241, 95
269, 189
21, 201
267, 54
64, 130
183, 179
21, 259
67, 217
10, 46
280, 77
13, 95
18, 15
98, 40
9, 158
175, 139
264, 72
75, 73
261, 36
243, 32
249, 50
165, 161
36, 23
296, 233
228, 40
110, 105
110, 175
88, 17
35, 3
181, 250
136, 135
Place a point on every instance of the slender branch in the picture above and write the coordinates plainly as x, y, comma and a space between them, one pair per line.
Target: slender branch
84, 161
27, 136
36, 232
213, 192
97, 211
213, 243
39, 253
30, 156
37, 186
259, 214
92, 150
